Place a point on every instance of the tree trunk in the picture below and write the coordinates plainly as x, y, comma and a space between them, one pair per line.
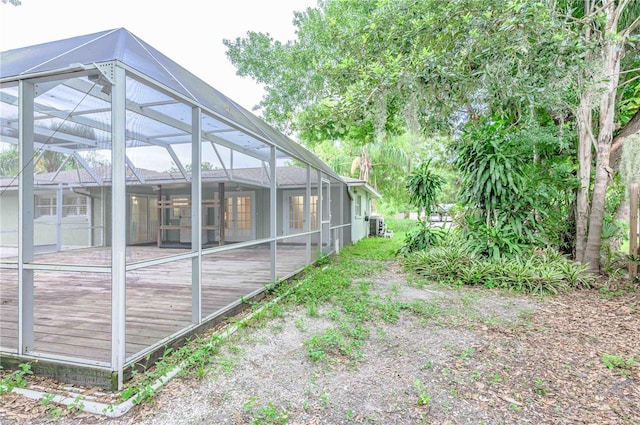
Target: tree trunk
584, 118
612, 54
365, 165
594, 238
585, 141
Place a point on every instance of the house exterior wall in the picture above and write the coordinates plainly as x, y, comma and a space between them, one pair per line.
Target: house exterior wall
9, 219
359, 224
75, 229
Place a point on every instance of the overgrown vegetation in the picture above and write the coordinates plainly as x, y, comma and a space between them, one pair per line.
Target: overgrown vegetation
531, 99
533, 271
15, 379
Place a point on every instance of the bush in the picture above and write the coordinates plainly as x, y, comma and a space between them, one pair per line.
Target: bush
536, 272
421, 238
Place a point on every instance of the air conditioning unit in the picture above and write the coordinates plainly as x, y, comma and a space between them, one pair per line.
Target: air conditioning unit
376, 226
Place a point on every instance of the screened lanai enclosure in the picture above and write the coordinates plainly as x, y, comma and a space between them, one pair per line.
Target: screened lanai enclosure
139, 205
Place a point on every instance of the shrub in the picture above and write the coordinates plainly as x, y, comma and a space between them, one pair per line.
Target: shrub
537, 272
421, 237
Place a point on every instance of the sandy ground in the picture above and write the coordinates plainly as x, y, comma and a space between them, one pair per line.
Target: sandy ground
483, 357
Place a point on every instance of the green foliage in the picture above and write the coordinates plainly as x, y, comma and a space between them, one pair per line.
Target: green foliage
423, 186
53, 411
77, 404
421, 237
364, 72
617, 362
512, 203
400, 225
9, 162
539, 272
266, 414
423, 398
503, 239
375, 64
15, 379
492, 173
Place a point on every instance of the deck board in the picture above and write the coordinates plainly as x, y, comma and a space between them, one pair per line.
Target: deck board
72, 310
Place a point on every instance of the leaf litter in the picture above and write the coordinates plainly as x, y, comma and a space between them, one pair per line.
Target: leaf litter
486, 357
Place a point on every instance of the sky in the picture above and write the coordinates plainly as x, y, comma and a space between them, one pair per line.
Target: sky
190, 32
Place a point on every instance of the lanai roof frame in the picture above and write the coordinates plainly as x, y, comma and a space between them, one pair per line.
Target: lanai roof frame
184, 115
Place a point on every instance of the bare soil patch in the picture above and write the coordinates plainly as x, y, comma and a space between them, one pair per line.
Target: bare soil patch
470, 356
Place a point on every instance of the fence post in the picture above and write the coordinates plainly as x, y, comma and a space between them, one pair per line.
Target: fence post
633, 231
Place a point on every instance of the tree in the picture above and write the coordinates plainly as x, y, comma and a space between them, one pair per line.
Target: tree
434, 66
423, 186
9, 161
609, 26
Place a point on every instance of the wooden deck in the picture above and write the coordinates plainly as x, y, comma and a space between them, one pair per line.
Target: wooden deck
72, 310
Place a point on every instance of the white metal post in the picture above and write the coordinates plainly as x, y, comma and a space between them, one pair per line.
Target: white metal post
328, 212
118, 220
196, 215
59, 202
273, 217
307, 213
341, 231
320, 212
25, 216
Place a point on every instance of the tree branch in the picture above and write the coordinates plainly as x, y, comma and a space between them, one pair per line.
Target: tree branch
628, 30
632, 127
628, 81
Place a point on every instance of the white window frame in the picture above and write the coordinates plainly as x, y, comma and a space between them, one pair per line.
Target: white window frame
73, 205
49, 207
358, 205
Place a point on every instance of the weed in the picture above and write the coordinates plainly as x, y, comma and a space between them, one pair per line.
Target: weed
201, 372
300, 324
325, 398
495, 379
227, 363
423, 398
427, 365
50, 407
515, 407
540, 387
267, 414
277, 328
349, 416
15, 379
76, 404
467, 354
616, 362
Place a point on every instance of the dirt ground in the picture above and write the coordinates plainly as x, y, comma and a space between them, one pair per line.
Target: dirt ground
485, 358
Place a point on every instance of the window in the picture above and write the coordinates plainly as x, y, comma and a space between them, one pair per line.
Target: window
45, 205
244, 212
181, 207
72, 205
358, 205
296, 212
